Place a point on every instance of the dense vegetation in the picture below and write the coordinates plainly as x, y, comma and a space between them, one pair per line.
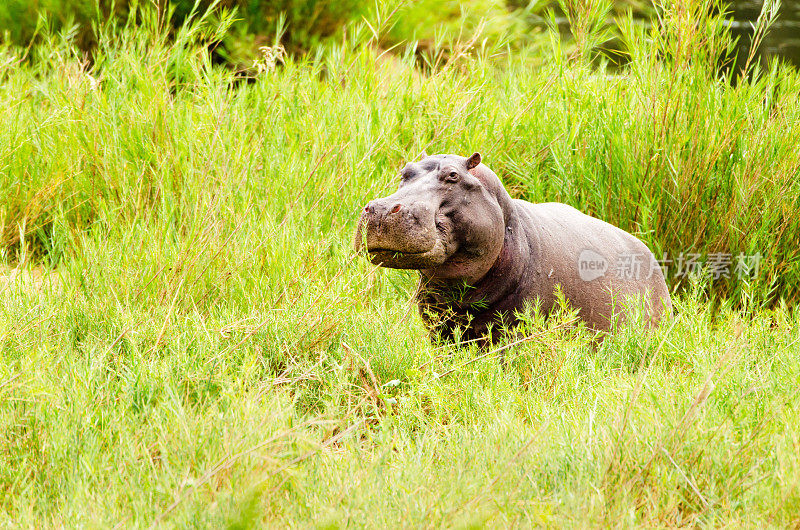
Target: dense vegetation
187, 337
301, 24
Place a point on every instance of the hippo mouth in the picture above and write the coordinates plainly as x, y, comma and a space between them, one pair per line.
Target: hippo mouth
398, 259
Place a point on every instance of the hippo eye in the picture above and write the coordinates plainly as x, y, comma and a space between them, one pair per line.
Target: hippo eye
452, 177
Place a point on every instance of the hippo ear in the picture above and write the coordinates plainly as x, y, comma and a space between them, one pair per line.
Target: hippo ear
423, 155
473, 161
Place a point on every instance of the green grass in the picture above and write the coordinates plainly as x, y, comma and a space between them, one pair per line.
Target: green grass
187, 338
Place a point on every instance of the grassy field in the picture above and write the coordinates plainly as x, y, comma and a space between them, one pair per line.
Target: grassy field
187, 338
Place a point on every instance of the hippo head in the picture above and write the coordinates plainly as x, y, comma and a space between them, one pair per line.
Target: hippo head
445, 219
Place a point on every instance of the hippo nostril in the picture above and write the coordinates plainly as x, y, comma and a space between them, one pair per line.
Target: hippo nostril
395, 209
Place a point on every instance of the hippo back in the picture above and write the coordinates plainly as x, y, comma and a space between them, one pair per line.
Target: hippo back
599, 267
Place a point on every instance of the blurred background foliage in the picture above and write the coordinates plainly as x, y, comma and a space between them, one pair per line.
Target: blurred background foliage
302, 25
307, 22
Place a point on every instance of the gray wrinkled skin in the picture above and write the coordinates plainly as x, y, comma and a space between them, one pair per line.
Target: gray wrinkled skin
483, 255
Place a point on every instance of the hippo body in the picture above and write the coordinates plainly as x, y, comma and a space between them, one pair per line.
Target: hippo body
483, 256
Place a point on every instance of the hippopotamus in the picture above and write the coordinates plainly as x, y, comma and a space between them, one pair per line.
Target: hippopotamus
482, 256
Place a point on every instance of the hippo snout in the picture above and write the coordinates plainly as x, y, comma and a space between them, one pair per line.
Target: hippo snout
414, 216
388, 224
398, 233
380, 209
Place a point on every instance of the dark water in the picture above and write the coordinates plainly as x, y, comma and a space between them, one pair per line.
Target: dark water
781, 41
783, 38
